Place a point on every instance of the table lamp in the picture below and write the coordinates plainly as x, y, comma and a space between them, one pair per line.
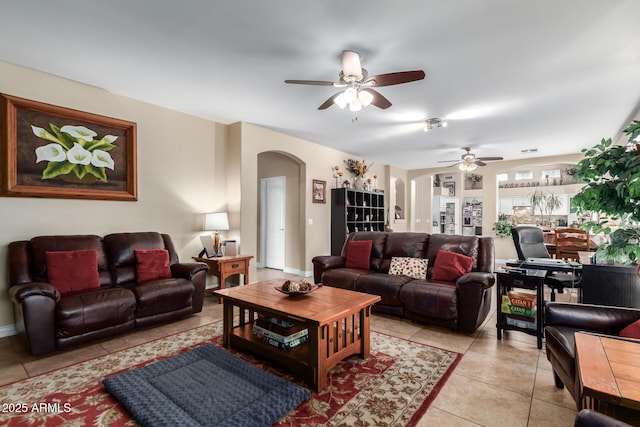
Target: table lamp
216, 221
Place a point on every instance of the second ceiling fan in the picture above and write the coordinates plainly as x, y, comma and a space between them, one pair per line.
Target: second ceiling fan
359, 89
469, 161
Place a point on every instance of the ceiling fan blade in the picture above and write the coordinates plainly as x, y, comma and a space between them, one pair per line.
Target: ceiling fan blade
448, 161
480, 162
351, 64
329, 102
486, 159
390, 79
378, 100
309, 82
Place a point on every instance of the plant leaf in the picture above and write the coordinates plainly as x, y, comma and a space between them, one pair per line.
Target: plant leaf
55, 169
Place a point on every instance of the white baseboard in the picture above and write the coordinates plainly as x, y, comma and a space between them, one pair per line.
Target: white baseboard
8, 330
298, 272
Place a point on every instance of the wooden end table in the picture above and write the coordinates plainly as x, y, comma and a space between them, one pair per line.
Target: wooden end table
338, 322
223, 267
609, 375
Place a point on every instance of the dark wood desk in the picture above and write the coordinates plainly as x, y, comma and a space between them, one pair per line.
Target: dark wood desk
223, 267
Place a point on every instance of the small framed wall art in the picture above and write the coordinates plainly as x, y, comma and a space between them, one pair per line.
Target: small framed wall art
57, 152
451, 186
319, 191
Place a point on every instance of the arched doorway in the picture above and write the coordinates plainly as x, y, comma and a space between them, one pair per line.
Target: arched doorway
280, 194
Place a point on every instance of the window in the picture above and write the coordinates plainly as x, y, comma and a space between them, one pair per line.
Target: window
524, 175
553, 173
503, 177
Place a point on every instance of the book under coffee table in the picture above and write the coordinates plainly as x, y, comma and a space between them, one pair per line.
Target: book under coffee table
338, 322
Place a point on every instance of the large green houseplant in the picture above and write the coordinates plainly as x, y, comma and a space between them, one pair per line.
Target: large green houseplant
612, 192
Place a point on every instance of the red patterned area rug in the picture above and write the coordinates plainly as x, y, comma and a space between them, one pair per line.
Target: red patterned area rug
393, 387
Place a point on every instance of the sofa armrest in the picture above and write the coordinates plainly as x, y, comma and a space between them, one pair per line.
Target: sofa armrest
19, 293
325, 262
196, 273
487, 280
35, 309
474, 299
595, 318
186, 270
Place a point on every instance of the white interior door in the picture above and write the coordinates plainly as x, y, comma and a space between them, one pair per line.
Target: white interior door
273, 221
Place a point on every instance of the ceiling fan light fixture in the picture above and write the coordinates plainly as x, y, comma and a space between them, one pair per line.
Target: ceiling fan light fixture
355, 106
434, 123
365, 98
467, 167
340, 100
350, 95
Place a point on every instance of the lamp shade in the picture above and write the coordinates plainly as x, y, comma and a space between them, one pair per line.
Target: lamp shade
215, 221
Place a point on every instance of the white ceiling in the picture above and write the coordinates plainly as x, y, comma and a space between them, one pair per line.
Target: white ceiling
556, 75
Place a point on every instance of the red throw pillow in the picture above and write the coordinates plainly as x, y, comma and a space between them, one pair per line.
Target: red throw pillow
358, 254
71, 271
152, 265
631, 331
449, 266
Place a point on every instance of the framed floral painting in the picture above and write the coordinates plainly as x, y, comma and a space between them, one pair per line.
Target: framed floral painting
51, 151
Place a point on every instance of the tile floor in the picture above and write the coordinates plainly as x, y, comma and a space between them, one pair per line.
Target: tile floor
497, 383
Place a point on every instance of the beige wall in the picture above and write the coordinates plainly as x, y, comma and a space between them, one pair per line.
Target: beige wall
181, 175
318, 162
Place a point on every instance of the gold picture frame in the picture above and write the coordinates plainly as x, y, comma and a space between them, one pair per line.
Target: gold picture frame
319, 191
57, 152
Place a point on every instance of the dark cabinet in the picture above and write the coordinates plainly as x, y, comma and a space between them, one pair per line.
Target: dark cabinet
354, 210
617, 285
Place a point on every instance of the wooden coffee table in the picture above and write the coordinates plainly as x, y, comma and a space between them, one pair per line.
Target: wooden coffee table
609, 371
337, 319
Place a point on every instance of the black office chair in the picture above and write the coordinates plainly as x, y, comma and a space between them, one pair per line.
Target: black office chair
529, 243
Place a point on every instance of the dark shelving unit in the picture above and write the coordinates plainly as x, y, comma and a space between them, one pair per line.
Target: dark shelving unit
354, 210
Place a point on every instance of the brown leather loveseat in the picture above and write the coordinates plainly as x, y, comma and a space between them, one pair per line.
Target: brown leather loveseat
116, 303
461, 305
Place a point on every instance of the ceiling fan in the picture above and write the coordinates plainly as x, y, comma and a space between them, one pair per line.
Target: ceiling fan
469, 160
359, 87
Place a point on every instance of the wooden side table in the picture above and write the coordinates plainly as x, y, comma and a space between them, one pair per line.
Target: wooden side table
223, 267
531, 279
609, 375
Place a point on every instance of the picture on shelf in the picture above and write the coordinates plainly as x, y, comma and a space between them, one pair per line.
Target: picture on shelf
451, 185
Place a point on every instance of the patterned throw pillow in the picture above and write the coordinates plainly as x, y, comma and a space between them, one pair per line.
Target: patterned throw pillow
412, 267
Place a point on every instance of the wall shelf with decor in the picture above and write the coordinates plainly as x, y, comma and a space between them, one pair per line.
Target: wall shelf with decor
354, 210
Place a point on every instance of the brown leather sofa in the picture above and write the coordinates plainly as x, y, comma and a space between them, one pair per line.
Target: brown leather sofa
562, 320
50, 321
461, 306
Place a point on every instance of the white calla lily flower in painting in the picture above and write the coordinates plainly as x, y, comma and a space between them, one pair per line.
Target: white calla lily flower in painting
44, 134
102, 159
79, 155
79, 132
51, 153
75, 150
